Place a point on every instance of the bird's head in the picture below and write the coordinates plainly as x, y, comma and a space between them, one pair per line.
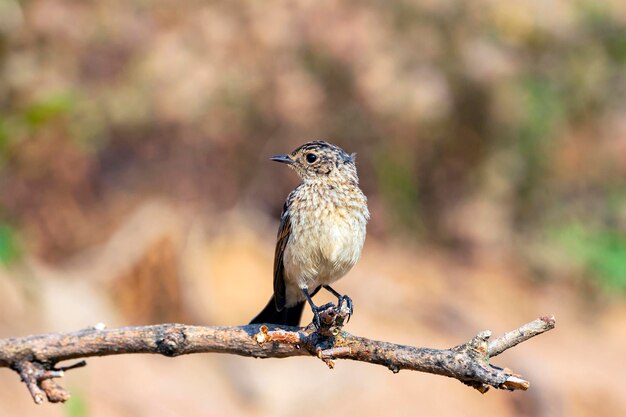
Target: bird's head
319, 160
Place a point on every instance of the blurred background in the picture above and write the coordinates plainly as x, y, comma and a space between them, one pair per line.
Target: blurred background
135, 188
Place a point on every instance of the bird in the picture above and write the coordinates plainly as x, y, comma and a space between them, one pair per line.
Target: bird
321, 233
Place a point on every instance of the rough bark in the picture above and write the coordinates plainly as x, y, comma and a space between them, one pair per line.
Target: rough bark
35, 358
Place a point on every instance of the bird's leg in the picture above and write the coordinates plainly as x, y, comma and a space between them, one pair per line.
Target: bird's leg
340, 299
316, 310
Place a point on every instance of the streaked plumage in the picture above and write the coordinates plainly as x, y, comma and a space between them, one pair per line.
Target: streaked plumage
322, 229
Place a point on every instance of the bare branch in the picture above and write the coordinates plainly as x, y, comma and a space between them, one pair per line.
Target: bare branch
34, 358
521, 334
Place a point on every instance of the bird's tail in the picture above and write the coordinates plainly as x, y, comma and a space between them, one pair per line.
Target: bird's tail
287, 316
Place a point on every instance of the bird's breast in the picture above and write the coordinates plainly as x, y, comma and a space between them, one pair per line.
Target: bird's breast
327, 236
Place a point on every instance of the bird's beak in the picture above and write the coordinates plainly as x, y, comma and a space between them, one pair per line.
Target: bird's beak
285, 159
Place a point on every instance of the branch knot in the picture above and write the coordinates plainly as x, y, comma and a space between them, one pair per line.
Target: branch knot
172, 342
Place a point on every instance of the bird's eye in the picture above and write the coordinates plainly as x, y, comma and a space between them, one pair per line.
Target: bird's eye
311, 157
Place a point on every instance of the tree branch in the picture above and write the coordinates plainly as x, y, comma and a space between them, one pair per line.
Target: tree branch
35, 358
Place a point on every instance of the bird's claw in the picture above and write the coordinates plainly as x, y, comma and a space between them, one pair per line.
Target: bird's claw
348, 301
316, 314
344, 307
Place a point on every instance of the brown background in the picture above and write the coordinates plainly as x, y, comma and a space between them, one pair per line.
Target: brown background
135, 188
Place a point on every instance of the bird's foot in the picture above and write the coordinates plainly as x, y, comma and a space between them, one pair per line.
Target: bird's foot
341, 300
347, 301
316, 314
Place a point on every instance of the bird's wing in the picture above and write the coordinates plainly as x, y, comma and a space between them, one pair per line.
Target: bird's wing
284, 231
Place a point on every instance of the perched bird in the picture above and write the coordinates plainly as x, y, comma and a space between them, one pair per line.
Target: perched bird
321, 232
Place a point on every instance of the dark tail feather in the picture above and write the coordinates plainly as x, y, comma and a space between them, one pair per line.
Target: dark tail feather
288, 316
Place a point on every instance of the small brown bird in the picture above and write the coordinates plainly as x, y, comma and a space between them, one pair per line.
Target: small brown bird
321, 233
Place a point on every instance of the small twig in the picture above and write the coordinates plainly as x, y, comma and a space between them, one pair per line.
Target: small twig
78, 364
28, 374
34, 357
336, 352
521, 334
38, 380
54, 392
515, 383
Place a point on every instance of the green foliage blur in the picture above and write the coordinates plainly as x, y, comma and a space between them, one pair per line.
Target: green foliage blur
76, 406
601, 252
9, 248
